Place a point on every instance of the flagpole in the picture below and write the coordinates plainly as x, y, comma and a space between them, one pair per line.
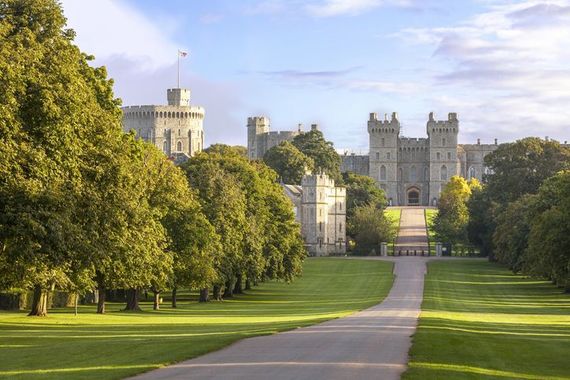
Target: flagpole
178, 68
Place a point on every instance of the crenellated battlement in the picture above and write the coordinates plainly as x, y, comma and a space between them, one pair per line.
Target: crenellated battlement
168, 112
383, 126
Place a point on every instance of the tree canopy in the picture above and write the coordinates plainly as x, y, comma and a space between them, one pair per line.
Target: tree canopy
313, 145
289, 163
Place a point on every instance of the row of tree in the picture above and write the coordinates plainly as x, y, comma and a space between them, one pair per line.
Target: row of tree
83, 205
521, 214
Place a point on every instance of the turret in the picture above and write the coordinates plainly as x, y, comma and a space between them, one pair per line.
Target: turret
256, 126
178, 97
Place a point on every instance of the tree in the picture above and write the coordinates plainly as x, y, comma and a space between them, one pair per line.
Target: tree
510, 238
453, 216
54, 108
362, 190
289, 163
520, 168
371, 227
224, 205
481, 225
547, 254
227, 150
313, 145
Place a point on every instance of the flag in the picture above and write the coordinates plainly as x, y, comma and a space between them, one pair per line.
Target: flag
182, 53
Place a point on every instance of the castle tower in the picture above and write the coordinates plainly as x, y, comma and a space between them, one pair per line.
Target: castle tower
383, 157
443, 152
177, 128
256, 126
315, 212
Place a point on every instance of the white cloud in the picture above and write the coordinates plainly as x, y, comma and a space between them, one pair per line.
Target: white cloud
329, 8
109, 28
140, 54
507, 68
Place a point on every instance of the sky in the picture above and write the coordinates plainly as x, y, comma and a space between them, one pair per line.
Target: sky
503, 66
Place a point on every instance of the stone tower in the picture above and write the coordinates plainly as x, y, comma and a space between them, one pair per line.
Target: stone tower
443, 153
176, 129
256, 126
384, 136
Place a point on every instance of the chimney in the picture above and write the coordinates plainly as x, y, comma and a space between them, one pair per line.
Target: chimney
314, 127
478, 141
495, 141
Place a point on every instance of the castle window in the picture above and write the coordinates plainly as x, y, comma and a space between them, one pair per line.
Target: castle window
401, 174
383, 142
179, 132
388, 155
449, 155
382, 173
471, 173
164, 146
413, 174
413, 154
340, 227
444, 173
438, 155
179, 146
443, 142
320, 226
426, 174
377, 155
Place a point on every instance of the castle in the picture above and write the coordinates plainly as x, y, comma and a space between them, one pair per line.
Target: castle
177, 128
320, 208
412, 171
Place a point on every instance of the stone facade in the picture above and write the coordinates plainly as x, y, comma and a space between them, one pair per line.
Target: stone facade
177, 128
413, 171
320, 208
260, 139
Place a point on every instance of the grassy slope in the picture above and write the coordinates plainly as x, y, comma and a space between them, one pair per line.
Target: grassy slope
118, 344
394, 215
481, 322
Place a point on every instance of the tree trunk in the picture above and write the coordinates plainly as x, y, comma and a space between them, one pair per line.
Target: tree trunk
156, 302
217, 293
247, 284
101, 300
238, 287
71, 299
39, 302
204, 293
174, 298
132, 300
229, 289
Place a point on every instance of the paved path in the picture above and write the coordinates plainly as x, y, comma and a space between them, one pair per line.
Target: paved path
412, 234
371, 344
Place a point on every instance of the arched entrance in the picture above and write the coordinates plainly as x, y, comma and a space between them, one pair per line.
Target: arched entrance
413, 196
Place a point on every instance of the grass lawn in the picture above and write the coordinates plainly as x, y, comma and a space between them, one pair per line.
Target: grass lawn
479, 321
394, 215
118, 344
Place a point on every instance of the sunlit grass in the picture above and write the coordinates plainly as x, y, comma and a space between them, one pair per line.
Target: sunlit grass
479, 321
393, 214
118, 344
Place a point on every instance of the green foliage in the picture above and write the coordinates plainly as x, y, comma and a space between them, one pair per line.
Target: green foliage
520, 168
227, 150
370, 228
510, 236
288, 162
360, 191
548, 253
313, 145
242, 200
452, 218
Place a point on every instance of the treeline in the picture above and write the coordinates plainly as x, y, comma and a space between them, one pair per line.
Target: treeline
521, 215
84, 206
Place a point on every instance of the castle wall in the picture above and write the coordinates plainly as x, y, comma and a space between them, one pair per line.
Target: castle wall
472, 159
261, 139
358, 164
